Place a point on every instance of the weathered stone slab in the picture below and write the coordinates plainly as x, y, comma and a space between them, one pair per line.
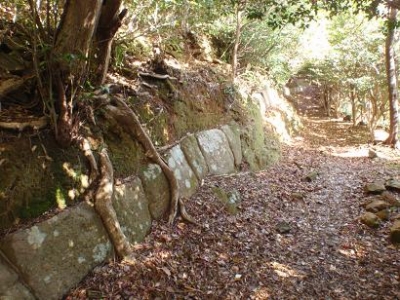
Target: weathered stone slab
156, 188
393, 185
370, 219
56, 254
215, 148
132, 209
187, 181
374, 188
10, 286
194, 156
377, 205
232, 133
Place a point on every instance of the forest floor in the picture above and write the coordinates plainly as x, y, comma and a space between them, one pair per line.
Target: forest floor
292, 238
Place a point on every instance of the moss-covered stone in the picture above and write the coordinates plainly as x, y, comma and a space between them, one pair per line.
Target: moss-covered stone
230, 199
194, 156
187, 180
216, 151
132, 209
260, 146
56, 254
156, 188
34, 176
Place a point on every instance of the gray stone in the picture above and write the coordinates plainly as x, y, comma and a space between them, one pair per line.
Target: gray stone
156, 188
283, 227
215, 148
56, 254
377, 205
232, 133
372, 153
132, 209
311, 176
194, 157
374, 188
395, 232
383, 214
231, 199
10, 286
391, 199
187, 180
393, 185
370, 219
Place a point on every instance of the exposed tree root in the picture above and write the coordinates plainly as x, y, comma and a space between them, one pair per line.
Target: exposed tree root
129, 121
84, 145
103, 206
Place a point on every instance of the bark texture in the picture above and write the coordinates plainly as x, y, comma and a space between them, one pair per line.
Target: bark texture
109, 23
70, 59
103, 206
392, 79
129, 121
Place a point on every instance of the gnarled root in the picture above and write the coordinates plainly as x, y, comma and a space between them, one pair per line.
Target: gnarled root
103, 206
85, 147
131, 124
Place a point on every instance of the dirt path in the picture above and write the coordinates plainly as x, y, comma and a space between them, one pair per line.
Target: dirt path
292, 239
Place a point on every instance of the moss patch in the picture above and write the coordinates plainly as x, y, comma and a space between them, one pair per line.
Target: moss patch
260, 145
34, 174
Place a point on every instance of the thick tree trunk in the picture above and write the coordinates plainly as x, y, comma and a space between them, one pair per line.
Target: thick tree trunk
109, 23
75, 34
70, 58
392, 80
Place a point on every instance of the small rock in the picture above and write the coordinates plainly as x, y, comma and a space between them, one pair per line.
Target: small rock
283, 227
383, 214
367, 202
395, 217
374, 188
372, 153
393, 185
390, 198
370, 219
395, 232
231, 199
311, 176
377, 205
298, 196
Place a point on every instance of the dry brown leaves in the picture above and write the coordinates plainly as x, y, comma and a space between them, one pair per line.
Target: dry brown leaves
327, 254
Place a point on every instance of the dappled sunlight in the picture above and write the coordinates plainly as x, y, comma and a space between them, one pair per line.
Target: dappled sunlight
261, 293
60, 199
285, 271
356, 251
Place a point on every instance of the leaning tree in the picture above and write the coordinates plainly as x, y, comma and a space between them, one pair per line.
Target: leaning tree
80, 54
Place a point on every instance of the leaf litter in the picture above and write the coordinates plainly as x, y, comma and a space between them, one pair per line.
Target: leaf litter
293, 237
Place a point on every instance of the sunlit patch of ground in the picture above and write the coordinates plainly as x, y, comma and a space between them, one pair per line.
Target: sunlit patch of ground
325, 254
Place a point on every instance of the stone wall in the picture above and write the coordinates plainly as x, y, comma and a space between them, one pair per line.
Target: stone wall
46, 260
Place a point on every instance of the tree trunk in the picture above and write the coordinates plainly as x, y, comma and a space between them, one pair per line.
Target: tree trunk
392, 79
110, 21
70, 57
238, 33
69, 60
75, 35
353, 105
